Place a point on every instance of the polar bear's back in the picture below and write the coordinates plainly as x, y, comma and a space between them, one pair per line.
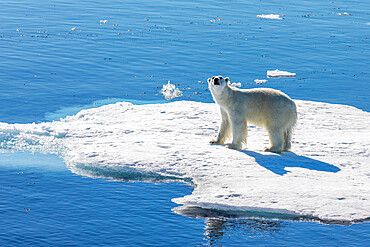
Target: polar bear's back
267, 107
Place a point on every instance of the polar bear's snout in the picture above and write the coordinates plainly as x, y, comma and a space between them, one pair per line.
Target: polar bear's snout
216, 82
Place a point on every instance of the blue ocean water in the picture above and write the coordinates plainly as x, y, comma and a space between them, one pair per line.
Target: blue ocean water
57, 57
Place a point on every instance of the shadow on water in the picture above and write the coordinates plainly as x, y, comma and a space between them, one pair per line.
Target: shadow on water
277, 163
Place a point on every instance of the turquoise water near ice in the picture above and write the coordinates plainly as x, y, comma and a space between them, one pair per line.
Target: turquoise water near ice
48, 71
43, 204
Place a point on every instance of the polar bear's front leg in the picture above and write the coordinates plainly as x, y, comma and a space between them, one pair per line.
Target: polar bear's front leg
239, 130
224, 131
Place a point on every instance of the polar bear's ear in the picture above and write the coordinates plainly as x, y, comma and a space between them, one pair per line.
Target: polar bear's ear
227, 79
209, 80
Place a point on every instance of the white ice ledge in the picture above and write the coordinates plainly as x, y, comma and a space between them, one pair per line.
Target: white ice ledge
326, 176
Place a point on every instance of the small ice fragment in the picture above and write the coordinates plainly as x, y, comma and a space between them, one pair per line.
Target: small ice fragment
216, 19
169, 91
104, 21
17, 30
234, 84
345, 13
277, 74
270, 16
73, 29
258, 81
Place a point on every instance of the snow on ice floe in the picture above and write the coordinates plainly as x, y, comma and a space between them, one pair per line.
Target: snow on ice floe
169, 91
270, 16
278, 74
326, 176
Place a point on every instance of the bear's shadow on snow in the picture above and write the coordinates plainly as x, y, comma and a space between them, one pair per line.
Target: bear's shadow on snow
278, 162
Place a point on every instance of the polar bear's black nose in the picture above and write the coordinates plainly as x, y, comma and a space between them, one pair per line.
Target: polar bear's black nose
216, 82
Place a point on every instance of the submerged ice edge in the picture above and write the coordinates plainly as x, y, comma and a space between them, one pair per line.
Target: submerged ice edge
73, 110
125, 174
215, 212
112, 141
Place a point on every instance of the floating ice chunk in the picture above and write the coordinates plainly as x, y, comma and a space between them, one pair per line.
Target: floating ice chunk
258, 81
345, 13
234, 84
73, 29
104, 21
277, 74
325, 177
170, 91
270, 16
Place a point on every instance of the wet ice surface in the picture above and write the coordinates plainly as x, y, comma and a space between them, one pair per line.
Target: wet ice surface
325, 177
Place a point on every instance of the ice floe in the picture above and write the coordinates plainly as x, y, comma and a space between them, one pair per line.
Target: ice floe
259, 81
344, 13
326, 176
277, 74
236, 84
169, 91
270, 16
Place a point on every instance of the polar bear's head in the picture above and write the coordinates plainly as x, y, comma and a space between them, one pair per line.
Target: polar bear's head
217, 83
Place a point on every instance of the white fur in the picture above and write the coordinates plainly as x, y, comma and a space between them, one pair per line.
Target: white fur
264, 107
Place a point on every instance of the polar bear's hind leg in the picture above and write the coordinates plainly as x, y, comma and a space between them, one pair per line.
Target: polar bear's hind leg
276, 140
288, 139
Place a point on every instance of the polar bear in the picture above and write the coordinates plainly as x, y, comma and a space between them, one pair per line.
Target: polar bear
264, 107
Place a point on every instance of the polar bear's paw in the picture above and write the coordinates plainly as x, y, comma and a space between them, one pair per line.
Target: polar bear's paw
273, 150
214, 142
234, 146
